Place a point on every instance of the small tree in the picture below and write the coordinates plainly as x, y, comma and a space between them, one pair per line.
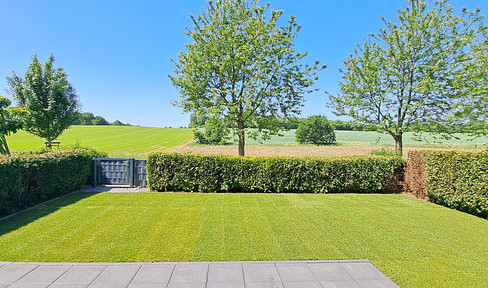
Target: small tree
407, 72
48, 98
242, 67
9, 123
315, 130
215, 132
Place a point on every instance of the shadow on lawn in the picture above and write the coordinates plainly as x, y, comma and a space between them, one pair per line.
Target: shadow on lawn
24, 218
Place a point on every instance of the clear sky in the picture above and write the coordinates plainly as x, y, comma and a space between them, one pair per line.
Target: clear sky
116, 53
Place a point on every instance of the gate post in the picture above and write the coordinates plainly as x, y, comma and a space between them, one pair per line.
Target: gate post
131, 171
94, 171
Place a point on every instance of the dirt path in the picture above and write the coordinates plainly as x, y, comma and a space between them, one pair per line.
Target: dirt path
320, 151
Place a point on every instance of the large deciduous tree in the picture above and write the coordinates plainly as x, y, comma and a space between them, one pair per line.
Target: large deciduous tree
242, 67
407, 73
49, 100
9, 123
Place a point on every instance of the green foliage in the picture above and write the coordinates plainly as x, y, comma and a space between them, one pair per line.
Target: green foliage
26, 180
315, 130
9, 123
458, 180
384, 152
50, 102
183, 172
99, 120
197, 121
215, 132
409, 71
242, 67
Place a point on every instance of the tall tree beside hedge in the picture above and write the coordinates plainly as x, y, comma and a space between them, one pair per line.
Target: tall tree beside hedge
406, 73
50, 101
315, 130
242, 66
9, 123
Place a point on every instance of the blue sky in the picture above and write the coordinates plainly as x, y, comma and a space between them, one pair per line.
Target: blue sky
116, 53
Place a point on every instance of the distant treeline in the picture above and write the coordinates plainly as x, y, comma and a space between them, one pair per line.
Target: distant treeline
292, 123
90, 119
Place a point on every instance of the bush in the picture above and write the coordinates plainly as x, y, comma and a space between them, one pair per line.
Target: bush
315, 130
198, 173
26, 180
455, 179
215, 132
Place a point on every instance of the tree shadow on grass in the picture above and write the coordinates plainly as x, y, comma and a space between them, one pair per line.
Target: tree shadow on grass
24, 218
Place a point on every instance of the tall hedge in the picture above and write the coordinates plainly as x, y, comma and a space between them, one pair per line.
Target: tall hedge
456, 179
26, 180
199, 173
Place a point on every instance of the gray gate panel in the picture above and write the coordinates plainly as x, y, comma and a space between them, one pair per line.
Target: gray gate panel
119, 171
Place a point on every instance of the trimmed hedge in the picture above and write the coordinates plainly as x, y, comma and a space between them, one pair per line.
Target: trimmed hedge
199, 173
26, 180
456, 179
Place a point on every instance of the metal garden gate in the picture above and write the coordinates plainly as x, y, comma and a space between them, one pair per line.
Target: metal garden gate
119, 171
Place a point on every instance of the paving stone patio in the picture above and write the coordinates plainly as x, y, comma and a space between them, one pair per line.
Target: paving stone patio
283, 274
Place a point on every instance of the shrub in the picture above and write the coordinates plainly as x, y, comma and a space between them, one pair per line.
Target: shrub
215, 132
198, 173
26, 180
315, 130
455, 179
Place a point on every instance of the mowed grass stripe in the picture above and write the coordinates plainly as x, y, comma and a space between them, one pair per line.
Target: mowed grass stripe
416, 244
117, 141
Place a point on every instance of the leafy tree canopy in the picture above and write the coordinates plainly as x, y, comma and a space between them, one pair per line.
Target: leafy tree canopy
50, 102
9, 122
408, 72
241, 66
315, 130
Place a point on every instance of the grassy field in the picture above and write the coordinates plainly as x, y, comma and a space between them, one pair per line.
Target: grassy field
415, 243
370, 138
117, 141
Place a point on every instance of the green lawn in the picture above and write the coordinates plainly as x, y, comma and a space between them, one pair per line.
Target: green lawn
416, 244
117, 141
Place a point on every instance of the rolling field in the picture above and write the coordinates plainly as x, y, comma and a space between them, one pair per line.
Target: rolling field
371, 138
117, 141
138, 142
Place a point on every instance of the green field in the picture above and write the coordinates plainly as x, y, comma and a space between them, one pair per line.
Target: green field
370, 138
117, 141
415, 243
138, 142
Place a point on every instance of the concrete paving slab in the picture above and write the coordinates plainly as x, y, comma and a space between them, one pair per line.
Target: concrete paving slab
302, 285
115, 276
362, 271
340, 284
295, 272
260, 272
264, 285
154, 274
386, 283
273, 274
329, 271
226, 284
225, 273
132, 285
80, 275
11, 272
190, 273
43, 275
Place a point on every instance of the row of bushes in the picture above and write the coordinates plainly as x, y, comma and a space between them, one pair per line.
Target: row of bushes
26, 180
185, 172
456, 179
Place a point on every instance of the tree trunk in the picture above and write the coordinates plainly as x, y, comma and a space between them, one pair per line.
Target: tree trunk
4, 148
398, 144
240, 129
